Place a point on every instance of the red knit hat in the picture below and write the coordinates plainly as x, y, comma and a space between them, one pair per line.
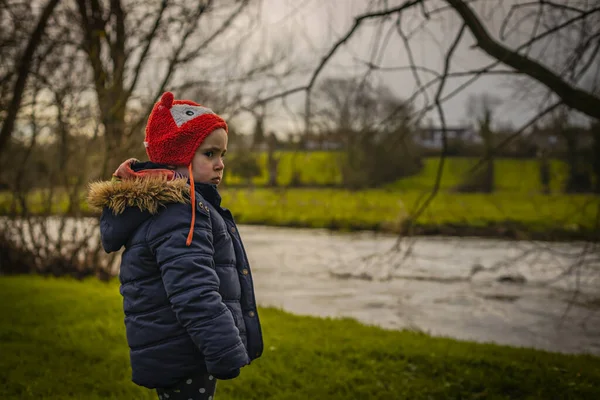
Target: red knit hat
176, 128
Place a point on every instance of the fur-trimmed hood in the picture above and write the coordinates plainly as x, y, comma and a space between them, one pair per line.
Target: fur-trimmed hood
145, 194
136, 193
143, 185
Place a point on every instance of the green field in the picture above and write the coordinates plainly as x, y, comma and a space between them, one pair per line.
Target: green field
512, 175
316, 168
63, 339
386, 210
517, 209
321, 168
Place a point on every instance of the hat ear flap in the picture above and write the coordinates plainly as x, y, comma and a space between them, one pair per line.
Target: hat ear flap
167, 100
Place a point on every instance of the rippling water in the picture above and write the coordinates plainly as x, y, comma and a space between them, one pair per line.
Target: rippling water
429, 285
543, 295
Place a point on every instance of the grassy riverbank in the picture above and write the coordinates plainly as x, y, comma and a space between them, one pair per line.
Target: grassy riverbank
499, 215
505, 214
63, 339
515, 210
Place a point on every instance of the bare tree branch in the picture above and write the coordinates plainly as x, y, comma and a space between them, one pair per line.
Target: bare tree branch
438, 104
194, 53
357, 22
148, 43
93, 27
117, 49
176, 60
24, 69
411, 58
573, 97
581, 51
552, 4
532, 121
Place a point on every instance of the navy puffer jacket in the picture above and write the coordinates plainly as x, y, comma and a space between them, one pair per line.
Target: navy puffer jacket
187, 309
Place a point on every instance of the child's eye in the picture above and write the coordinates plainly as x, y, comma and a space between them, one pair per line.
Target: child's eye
209, 154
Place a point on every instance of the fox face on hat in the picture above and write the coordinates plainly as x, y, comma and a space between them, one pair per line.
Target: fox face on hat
176, 128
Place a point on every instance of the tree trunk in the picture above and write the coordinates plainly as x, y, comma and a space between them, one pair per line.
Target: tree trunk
24, 67
489, 180
544, 165
579, 179
272, 161
595, 156
114, 139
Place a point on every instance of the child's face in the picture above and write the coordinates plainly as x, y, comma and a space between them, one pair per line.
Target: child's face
208, 163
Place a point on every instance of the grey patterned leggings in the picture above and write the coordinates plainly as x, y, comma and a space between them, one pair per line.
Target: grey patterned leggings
199, 387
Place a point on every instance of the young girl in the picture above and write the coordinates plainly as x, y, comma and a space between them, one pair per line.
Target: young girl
188, 296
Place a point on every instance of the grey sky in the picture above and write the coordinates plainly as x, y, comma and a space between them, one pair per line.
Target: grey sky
307, 29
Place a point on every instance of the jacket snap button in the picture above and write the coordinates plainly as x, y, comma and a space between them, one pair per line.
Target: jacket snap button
233, 229
251, 314
245, 271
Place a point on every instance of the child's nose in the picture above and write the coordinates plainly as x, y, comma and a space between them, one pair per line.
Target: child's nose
220, 164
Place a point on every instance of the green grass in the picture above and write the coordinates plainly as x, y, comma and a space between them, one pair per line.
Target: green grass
320, 168
63, 339
315, 168
555, 216
516, 209
385, 210
512, 175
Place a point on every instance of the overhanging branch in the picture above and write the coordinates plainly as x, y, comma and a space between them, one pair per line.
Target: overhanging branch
573, 97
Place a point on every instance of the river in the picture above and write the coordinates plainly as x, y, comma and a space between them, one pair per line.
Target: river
428, 285
531, 294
